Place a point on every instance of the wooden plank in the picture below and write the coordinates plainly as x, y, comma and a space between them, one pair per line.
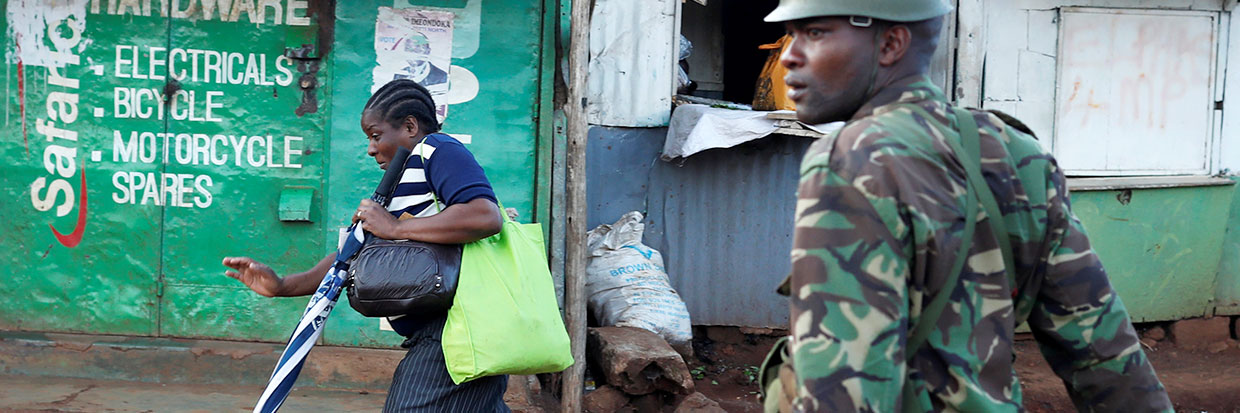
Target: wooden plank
782, 115
1144, 182
942, 66
575, 237
970, 52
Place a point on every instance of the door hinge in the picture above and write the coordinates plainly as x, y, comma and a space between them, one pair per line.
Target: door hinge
1218, 105
159, 288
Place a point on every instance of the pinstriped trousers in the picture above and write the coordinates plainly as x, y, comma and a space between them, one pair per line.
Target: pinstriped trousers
421, 382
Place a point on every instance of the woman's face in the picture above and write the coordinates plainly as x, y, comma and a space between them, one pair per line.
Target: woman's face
385, 138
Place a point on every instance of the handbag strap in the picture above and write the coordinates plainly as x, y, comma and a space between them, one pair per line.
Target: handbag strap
421, 148
969, 155
421, 155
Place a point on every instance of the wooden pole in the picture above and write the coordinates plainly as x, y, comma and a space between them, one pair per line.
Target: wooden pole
575, 203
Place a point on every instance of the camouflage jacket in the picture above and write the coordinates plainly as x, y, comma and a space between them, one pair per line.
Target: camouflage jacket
879, 219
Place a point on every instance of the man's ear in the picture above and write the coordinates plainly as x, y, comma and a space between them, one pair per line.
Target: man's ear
894, 43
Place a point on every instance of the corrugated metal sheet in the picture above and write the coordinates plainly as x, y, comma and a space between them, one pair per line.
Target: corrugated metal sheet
723, 221
630, 83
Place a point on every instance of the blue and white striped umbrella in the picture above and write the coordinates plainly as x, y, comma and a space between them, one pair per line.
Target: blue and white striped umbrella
324, 299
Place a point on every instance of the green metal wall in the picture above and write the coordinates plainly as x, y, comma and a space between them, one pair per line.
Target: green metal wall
152, 268
1161, 247
1227, 286
503, 119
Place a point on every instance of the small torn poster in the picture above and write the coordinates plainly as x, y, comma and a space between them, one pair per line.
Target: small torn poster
416, 45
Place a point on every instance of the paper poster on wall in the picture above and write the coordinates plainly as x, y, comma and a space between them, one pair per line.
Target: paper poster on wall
416, 45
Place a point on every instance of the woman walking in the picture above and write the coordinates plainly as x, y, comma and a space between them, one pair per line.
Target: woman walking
443, 197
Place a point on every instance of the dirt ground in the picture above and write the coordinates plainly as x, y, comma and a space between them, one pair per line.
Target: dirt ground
1196, 360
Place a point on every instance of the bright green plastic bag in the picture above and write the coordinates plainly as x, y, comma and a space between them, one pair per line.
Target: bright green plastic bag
504, 318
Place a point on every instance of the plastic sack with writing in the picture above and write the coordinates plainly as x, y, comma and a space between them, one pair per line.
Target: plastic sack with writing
628, 286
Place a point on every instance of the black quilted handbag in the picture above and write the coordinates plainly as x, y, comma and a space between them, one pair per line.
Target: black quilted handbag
398, 277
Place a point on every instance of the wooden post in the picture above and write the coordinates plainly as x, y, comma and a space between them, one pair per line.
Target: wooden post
575, 203
970, 51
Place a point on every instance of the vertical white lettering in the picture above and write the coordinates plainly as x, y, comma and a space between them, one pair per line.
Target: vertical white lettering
271, 149
172, 64
66, 106
121, 108
54, 78
238, 145
202, 147
230, 68
59, 186
284, 64
246, 6
184, 151
141, 110
190, 103
182, 114
49, 128
121, 61
217, 156
151, 190
159, 100
170, 188
209, 7
252, 76
250, 148
178, 12
121, 196
201, 183
124, 151
154, 62
215, 66
147, 147
289, 151
292, 17
134, 64
183, 189
64, 164
263, 5
211, 105
262, 80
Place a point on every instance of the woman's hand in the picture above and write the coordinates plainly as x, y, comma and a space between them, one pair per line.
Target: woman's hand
258, 276
378, 221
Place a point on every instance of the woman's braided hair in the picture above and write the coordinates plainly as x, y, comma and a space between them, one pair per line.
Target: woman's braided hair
402, 98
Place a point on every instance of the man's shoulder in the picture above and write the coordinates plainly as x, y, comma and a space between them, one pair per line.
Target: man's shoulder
897, 130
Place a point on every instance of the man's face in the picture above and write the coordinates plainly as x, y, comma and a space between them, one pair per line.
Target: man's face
384, 138
830, 67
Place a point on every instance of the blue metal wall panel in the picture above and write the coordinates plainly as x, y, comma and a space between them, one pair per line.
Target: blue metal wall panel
722, 219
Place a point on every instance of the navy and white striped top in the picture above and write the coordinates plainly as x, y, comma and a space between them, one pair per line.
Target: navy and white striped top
449, 170
451, 173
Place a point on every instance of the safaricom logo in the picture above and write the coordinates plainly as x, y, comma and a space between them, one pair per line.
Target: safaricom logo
60, 157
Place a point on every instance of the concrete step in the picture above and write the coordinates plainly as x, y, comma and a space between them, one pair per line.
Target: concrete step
187, 361
61, 394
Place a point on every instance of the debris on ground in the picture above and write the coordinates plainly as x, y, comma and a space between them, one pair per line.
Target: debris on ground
637, 361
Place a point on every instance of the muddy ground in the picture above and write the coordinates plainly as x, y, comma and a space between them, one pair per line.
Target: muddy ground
1196, 360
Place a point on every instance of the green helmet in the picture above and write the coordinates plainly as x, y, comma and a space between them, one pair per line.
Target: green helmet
890, 10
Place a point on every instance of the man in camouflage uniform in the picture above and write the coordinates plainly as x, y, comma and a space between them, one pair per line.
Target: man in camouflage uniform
879, 222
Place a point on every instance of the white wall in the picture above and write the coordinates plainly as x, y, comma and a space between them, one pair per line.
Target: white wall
1017, 69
